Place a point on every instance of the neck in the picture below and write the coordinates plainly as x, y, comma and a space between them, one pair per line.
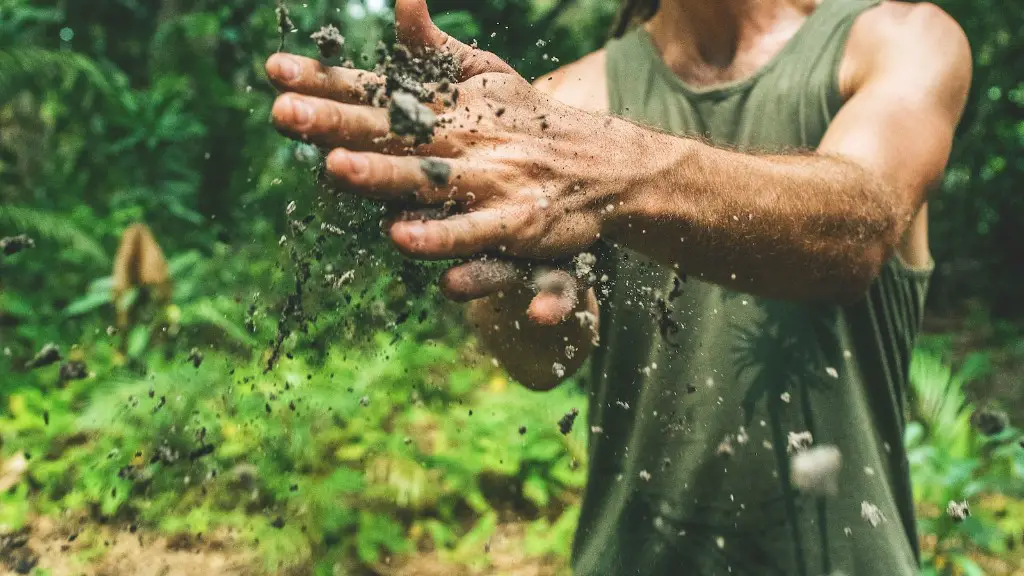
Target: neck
712, 33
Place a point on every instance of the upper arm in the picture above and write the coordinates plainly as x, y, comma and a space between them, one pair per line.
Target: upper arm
582, 84
907, 70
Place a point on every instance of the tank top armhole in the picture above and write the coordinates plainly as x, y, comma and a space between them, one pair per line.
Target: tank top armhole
616, 55
842, 35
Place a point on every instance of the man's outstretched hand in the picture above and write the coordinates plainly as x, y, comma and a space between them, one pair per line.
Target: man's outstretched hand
529, 178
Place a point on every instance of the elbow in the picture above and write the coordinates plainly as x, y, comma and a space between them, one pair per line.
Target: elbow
868, 257
861, 273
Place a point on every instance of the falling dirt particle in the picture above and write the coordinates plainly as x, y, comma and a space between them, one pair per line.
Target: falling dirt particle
522, 430
720, 542
596, 429
198, 453
565, 424
284, 23
958, 511
832, 372
798, 441
742, 437
438, 172
816, 470
278, 522
46, 417
725, 448
585, 264
329, 41
409, 117
195, 357
364, 401
645, 475
47, 355
73, 370
267, 407
785, 397
558, 369
13, 244
587, 319
989, 421
871, 513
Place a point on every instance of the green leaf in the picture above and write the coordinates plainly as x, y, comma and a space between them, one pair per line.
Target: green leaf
55, 227
969, 566
90, 302
535, 490
459, 24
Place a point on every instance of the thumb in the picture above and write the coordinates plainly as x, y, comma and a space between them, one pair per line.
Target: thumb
418, 32
414, 26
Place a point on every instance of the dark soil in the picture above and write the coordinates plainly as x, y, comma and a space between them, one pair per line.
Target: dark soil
13, 244
47, 355
329, 41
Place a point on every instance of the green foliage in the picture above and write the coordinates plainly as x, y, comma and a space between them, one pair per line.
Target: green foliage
975, 217
370, 447
113, 112
951, 461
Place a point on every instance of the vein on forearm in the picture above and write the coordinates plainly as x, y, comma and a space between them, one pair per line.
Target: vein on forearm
792, 226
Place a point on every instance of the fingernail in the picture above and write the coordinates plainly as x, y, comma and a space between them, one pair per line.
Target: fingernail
301, 112
287, 68
358, 164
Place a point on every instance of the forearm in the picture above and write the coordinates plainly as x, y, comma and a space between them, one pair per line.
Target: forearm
539, 357
799, 226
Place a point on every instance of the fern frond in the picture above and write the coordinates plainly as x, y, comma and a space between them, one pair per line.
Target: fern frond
34, 69
55, 227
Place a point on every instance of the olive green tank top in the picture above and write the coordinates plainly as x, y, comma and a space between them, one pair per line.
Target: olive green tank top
701, 397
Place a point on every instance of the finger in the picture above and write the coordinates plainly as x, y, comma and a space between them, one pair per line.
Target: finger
482, 278
460, 236
551, 306
329, 123
417, 31
557, 296
290, 73
551, 309
387, 177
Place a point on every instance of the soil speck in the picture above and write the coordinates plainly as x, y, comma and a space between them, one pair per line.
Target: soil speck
329, 41
567, 421
47, 355
13, 244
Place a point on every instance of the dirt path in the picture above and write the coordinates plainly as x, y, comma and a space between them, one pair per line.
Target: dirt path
72, 548
69, 548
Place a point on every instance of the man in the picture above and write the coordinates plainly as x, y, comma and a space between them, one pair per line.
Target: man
779, 152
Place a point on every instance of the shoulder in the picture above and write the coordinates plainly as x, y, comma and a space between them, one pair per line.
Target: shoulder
916, 41
582, 84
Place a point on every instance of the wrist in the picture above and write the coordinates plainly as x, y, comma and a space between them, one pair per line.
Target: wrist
646, 186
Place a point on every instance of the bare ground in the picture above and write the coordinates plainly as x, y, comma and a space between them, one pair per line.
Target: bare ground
72, 548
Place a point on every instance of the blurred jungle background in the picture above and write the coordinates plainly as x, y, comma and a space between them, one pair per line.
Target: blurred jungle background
250, 417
